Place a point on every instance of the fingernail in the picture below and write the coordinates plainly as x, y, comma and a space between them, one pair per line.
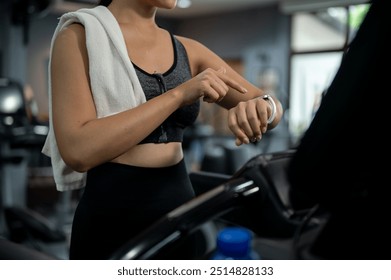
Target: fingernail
246, 141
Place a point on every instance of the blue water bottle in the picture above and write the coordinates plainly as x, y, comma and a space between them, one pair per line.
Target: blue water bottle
234, 243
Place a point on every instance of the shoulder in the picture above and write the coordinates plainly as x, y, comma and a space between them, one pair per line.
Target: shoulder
71, 32
200, 56
197, 52
71, 35
191, 44
70, 44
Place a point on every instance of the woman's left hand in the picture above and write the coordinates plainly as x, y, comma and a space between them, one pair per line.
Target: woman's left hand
248, 120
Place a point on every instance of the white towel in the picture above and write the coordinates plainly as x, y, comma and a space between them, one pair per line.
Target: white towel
114, 83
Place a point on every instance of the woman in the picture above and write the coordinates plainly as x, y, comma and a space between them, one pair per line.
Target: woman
122, 91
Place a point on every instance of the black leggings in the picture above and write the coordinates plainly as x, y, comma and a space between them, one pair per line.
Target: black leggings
119, 201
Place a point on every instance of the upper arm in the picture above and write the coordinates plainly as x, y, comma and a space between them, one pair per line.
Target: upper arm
72, 103
201, 58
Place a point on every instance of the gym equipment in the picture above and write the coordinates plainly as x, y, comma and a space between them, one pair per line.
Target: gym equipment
18, 136
256, 197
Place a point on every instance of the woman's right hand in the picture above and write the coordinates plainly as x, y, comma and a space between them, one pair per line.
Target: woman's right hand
210, 85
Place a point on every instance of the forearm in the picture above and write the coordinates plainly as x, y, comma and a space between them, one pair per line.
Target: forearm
100, 140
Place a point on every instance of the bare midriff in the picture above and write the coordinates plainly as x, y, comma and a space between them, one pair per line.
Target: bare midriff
152, 155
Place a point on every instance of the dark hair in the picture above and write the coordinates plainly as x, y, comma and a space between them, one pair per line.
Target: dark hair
104, 2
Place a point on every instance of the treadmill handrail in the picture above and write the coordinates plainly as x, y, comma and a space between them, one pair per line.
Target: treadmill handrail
186, 219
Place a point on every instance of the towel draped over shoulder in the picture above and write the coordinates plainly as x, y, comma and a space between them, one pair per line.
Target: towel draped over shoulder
114, 83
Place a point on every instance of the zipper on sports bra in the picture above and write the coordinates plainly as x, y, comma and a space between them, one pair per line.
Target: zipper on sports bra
160, 79
163, 88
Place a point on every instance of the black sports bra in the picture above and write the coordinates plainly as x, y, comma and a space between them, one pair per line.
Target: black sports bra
172, 129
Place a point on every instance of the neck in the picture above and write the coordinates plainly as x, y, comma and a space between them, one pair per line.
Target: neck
134, 12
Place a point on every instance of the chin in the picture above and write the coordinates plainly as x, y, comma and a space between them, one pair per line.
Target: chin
166, 4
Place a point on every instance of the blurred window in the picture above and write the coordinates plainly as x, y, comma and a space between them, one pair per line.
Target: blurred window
319, 39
